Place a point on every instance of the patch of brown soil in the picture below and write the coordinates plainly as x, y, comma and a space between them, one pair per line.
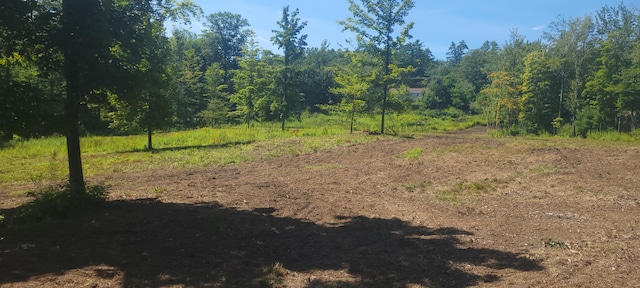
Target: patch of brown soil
472, 211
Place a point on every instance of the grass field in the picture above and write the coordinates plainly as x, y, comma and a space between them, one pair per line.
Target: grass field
44, 159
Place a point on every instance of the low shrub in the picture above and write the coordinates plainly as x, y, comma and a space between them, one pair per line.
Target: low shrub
59, 202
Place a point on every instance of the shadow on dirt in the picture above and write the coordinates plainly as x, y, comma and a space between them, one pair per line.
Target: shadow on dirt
151, 244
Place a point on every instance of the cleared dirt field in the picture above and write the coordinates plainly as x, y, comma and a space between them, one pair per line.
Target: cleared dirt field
451, 210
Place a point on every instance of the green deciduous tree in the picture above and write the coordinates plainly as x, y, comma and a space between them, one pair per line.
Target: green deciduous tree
610, 84
104, 45
501, 98
31, 85
374, 23
292, 42
573, 45
356, 82
317, 76
188, 85
539, 87
255, 86
414, 54
85, 46
227, 34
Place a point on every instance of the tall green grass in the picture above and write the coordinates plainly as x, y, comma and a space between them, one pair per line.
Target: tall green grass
45, 159
395, 124
614, 136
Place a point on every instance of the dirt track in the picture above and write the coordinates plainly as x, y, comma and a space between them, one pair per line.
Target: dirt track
470, 211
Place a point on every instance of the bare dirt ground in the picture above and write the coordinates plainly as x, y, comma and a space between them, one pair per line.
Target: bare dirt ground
471, 211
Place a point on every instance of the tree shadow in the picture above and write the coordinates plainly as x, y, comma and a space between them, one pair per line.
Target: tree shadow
154, 244
190, 147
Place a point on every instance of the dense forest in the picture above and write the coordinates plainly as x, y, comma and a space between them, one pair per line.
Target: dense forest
86, 66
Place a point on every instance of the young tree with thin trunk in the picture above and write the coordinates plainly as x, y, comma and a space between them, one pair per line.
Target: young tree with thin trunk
254, 85
289, 39
355, 84
374, 23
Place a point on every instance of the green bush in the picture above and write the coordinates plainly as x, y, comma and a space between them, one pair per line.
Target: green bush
59, 202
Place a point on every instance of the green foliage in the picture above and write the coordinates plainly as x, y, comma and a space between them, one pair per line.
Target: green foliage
120, 69
31, 82
551, 243
356, 82
502, 104
255, 86
540, 105
43, 159
289, 39
613, 136
59, 202
188, 79
317, 75
374, 23
80, 51
456, 52
216, 113
414, 54
413, 154
227, 35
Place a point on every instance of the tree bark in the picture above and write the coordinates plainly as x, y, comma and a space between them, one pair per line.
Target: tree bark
353, 116
72, 24
149, 127
385, 92
71, 116
76, 175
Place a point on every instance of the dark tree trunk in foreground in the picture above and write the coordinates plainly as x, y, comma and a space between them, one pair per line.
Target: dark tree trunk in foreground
76, 175
79, 47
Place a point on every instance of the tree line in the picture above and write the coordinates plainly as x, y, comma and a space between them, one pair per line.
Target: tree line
580, 77
88, 66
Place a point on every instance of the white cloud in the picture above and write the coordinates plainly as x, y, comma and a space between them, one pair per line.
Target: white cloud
538, 28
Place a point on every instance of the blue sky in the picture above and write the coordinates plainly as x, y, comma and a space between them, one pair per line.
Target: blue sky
437, 23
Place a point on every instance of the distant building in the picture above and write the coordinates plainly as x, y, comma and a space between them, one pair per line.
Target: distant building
413, 92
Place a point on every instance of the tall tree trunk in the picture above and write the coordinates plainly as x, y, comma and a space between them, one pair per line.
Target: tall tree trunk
76, 175
353, 116
385, 92
285, 90
149, 127
71, 26
384, 106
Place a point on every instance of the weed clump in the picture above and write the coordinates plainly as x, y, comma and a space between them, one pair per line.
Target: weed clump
551, 243
59, 202
273, 276
413, 154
